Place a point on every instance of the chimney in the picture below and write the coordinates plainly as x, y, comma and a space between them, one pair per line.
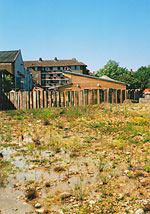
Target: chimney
40, 59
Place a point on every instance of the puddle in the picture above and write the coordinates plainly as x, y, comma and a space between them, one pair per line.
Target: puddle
10, 203
19, 162
80, 174
28, 140
7, 152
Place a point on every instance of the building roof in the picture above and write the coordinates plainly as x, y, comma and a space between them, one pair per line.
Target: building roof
104, 78
50, 63
61, 86
8, 56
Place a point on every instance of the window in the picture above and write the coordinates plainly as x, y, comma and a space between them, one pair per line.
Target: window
61, 68
47, 68
36, 68
29, 69
54, 68
72, 67
78, 67
36, 75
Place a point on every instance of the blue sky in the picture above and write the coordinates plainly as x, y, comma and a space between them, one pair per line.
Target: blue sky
93, 31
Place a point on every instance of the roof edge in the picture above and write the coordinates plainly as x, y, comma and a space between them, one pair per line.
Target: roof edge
11, 61
19, 51
61, 86
94, 77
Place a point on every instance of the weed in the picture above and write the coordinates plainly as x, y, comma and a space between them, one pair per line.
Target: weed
3, 177
57, 149
79, 191
88, 139
31, 181
59, 169
101, 164
147, 167
31, 193
105, 179
31, 146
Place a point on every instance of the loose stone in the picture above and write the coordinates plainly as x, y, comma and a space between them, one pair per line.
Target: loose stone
140, 211
65, 195
37, 205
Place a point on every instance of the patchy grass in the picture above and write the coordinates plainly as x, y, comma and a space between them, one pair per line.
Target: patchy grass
98, 153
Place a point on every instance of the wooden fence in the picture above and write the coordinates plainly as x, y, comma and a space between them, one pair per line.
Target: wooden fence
47, 99
134, 94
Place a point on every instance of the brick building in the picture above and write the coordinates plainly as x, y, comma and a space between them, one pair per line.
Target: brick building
49, 73
12, 63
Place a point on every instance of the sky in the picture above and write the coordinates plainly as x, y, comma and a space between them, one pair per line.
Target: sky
92, 31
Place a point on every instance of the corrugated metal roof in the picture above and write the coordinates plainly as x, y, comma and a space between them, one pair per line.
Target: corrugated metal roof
8, 56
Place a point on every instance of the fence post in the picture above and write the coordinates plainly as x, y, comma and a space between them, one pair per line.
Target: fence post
81, 97
19, 98
98, 96
72, 98
23, 100
85, 95
38, 100
34, 100
44, 99
27, 100
41, 100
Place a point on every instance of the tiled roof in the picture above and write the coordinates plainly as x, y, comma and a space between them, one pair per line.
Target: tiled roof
94, 77
8, 56
50, 63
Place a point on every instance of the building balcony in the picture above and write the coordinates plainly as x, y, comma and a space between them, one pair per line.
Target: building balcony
53, 79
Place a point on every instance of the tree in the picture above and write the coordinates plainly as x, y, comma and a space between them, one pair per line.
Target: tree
142, 77
6, 82
114, 71
109, 69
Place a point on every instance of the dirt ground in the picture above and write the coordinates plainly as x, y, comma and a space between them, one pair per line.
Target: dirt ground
91, 159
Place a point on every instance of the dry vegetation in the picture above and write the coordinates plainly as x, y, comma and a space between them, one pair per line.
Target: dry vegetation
92, 159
